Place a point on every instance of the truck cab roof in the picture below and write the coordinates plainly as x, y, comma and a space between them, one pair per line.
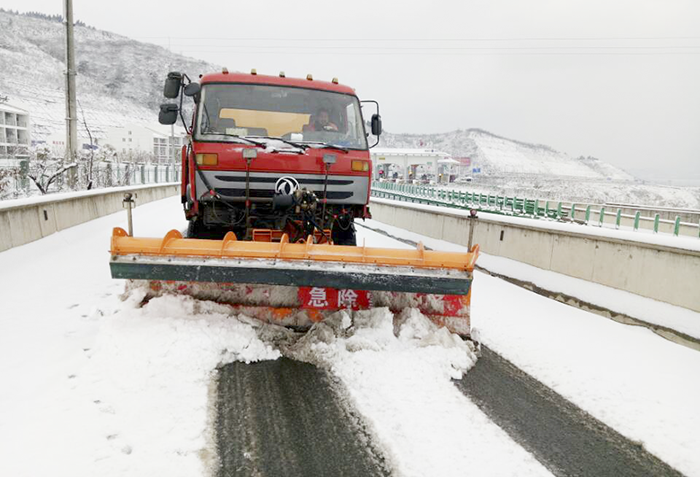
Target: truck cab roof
275, 80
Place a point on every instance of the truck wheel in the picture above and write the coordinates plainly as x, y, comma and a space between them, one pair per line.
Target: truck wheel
194, 229
351, 240
344, 237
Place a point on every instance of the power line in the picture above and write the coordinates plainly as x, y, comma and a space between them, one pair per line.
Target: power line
386, 53
437, 48
665, 38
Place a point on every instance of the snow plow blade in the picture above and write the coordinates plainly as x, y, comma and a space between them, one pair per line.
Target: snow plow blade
298, 284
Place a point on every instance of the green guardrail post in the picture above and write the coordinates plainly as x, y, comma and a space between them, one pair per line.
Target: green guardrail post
636, 220
677, 226
588, 214
618, 218
656, 223
573, 211
546, 208
536, 207
601, 216
559, 211
512, 204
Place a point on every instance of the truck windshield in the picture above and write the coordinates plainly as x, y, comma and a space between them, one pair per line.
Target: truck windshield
295, 114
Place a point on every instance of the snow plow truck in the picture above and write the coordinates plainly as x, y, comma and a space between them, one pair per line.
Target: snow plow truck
275, 173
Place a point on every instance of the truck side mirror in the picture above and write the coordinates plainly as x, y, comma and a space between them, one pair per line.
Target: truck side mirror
171, 90
168, 113
376, 125
193, 90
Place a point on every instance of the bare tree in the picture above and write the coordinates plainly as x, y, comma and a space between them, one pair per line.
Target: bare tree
44, 169
8, 176
88, 159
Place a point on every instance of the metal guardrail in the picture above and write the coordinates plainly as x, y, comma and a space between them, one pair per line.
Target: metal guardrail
560, 211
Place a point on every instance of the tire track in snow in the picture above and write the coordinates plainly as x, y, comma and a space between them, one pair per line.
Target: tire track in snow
283, 417
563, 437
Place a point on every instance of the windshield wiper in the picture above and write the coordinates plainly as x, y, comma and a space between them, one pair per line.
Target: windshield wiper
329, 146
291, 143
249, 141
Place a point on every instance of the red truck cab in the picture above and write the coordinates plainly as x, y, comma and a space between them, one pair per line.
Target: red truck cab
270, 155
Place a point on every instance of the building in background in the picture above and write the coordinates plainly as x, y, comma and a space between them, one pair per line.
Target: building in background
15, 132
413, 165
137, 138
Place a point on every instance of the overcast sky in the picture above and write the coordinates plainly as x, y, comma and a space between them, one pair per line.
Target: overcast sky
615, 79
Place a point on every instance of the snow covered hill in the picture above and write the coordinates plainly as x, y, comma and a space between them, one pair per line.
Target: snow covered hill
510, 167
499, 156
119, 80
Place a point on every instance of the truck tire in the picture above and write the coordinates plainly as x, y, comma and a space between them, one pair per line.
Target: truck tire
194, 229
344, 237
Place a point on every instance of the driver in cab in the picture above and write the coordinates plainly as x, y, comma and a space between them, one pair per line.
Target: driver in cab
321, 121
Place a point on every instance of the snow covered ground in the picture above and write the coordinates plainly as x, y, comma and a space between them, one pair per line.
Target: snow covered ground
640, 384
102, 387
645, 309
643, 236
98, 386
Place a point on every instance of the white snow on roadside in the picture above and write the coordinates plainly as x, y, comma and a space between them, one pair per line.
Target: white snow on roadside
640, 384
645, 309
665, 240
95, 385
61, 196
99, 386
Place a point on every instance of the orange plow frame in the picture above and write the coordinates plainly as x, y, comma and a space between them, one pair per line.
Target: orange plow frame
297, 284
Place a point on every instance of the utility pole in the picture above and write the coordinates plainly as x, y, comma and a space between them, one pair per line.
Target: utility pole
71, 110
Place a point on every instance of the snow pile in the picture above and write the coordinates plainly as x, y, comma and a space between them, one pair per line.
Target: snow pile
336, 340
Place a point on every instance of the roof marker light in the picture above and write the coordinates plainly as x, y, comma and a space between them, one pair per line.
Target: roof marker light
309, 77
282, 75
224, 70
334, 81
253, 71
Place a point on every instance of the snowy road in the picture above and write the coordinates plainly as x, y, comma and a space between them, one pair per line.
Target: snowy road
284, 417
567, 440
104, 387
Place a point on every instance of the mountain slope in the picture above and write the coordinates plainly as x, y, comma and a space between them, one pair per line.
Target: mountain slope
499, 156
119, 80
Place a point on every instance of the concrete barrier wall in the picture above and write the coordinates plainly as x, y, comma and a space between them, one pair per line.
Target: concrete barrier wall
667, 274
31, 221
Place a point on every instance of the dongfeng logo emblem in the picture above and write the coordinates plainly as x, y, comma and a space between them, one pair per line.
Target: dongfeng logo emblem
286, 185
